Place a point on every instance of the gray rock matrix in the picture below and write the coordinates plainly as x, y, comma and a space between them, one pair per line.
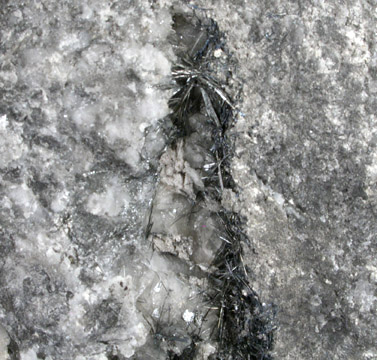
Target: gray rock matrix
77, 180
305, 162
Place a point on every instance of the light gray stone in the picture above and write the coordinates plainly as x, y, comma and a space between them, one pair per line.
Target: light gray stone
305, 167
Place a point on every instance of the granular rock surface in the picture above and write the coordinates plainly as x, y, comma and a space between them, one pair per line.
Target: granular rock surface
83, 128
305, 165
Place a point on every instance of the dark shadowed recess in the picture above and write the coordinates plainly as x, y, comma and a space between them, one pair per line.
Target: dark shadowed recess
245, 326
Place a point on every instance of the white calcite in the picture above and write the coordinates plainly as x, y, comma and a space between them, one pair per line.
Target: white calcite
81, 132
81, 135
4, 342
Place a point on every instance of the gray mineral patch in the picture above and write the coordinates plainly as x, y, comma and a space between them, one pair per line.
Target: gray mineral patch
109, 226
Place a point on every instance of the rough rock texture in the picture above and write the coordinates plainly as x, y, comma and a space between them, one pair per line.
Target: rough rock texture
80, 140
83, 124
305, 165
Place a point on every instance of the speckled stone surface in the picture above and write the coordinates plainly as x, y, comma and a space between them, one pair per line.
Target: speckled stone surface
80, 84
305, 164
80, 90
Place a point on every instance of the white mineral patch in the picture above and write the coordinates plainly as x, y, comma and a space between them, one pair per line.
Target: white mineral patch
30, 354
188, 316
217, 53
372, 169
23, 197
205, 351
363, 295
4, 341
110, 202
373, 272
156, 313
11, 145
370, 355
60, 201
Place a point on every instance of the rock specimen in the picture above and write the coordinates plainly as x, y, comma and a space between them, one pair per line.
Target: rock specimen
119, 233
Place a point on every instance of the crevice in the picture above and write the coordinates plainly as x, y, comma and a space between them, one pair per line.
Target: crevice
195, 170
